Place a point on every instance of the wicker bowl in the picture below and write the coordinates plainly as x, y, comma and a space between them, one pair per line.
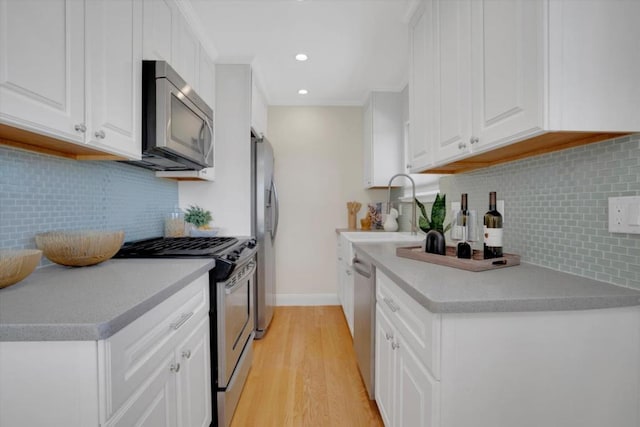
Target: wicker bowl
16, 264
79, 248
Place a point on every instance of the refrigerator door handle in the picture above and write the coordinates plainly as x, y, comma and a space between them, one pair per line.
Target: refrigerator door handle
274, 228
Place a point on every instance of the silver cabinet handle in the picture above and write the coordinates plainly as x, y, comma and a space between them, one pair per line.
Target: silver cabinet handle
100, 134
474, 140
80, 128
175, 368
388, 336
408, 166
462, 146
395, 345
186, 354
183, 319
392, 305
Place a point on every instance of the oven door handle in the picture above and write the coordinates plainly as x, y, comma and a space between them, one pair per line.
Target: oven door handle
240, 280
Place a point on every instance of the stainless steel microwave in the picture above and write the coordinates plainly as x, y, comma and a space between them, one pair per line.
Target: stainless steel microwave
177, 125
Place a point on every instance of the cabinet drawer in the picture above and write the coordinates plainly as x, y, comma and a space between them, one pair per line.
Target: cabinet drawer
135, 352
419, 327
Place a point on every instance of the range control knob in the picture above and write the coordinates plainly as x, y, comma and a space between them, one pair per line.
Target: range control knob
232, 257
251, 243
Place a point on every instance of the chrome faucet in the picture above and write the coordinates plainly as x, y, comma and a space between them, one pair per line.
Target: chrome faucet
414, 229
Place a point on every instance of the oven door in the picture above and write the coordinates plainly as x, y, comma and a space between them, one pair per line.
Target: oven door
235, 319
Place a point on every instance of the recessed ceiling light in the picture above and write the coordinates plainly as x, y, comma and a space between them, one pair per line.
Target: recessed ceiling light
303, 92
301, 57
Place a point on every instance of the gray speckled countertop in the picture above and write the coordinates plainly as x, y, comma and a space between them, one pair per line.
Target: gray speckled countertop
526, 287
58, 303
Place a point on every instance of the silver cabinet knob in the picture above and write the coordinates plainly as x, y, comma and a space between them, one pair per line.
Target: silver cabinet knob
175, 368
388, 336
474, 140
462, 146
81, 128
408, 166
348, 272
395, 345
100, 134
186, 354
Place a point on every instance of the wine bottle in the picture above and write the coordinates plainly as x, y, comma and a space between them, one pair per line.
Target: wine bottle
464, 249
492, 230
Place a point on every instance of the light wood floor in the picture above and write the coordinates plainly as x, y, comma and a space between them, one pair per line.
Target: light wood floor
304, 373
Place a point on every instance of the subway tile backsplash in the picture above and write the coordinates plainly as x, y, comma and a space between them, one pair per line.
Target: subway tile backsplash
43, 193
556, 207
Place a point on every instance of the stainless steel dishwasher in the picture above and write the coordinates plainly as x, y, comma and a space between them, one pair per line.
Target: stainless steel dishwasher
364, 321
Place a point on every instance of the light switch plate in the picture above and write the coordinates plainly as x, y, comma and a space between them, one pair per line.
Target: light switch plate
624, 214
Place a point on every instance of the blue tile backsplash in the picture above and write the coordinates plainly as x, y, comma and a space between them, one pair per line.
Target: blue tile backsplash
43, 193
556, 207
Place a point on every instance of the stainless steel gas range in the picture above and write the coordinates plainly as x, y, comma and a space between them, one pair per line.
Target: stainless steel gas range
231, 312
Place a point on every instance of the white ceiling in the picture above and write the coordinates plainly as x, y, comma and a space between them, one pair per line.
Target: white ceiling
354, 46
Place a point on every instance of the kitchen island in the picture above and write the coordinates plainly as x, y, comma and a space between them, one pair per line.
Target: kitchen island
122, 343
520, 346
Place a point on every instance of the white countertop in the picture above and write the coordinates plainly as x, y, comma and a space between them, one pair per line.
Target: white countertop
58, 303
526, 287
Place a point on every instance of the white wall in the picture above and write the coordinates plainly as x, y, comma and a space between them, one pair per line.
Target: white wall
229, 196
318, 152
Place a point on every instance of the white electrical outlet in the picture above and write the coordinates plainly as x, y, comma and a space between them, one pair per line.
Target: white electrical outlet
624, 214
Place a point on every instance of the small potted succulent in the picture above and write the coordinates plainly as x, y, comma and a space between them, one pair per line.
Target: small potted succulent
199, 218
434, 226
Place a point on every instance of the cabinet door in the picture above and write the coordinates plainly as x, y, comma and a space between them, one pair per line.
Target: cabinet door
194, 387
421, 94
385, 366
452, 24
185, 52
207, 77
154, 404
114, 73
158, 29
508, 75
386, 154
42, 66
417, 392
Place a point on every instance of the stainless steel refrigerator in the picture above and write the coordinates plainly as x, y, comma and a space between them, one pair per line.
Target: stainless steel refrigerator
265, 228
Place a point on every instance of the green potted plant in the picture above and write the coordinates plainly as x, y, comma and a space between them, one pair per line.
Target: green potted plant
200, 219
434, 226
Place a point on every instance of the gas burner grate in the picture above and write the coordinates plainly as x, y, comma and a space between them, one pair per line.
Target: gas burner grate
176, 246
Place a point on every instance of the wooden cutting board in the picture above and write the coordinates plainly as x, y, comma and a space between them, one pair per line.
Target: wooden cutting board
477, 263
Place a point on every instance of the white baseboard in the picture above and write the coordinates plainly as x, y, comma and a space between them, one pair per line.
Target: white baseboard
307, 299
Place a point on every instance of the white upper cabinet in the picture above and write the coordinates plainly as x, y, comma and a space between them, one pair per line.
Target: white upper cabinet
67, 75
186, 53
206, 78
158, 29
114, 70
382, 138
42, 71
259, 109
533, 75
421, 93
452, 61
508, 70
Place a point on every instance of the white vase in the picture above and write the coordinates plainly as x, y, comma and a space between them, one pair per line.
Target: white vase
391, 224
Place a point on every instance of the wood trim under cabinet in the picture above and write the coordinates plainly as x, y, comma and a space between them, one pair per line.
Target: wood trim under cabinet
542, 144
29, 141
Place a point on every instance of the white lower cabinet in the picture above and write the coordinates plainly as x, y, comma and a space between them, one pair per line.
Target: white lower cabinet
154, 372
574, 368
406, 392
345, 279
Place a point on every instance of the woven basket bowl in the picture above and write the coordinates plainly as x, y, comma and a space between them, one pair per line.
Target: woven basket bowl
16, 264
79, 248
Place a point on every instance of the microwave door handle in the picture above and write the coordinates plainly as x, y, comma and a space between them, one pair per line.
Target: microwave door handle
210, 150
